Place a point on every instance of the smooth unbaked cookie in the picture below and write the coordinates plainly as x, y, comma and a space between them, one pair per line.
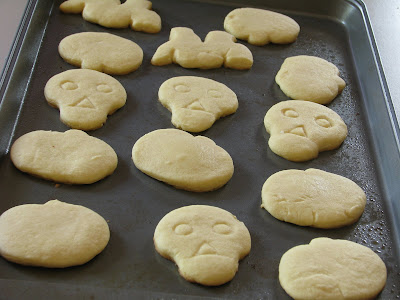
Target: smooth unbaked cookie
260, 26
332, 269
176, 157
300, 130
196, 102
111, 13
102, 52
84, 97
313, 198
186, 49
309, 78
205, 242
53, 235
68, 157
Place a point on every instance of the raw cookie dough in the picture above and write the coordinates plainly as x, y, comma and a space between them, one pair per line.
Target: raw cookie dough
113, 14
53, 235
309, 78
205, 242
186, 49
313, 198
84, 97
332, 269
102, 52
176, 157
196, 102
300, 130
260, 26
68, 157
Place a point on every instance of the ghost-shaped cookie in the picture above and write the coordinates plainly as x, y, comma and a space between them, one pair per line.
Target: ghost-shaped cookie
186, 162
332, 269
260, 26
205, 242
111, 13
85, 97
102, 52
313, 198
299, 130
309, 78
196, 102
186, 49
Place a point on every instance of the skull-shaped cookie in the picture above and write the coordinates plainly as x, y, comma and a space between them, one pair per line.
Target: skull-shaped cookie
113, 14
300, 129
205, 242
196, 102
84, 97
186, 49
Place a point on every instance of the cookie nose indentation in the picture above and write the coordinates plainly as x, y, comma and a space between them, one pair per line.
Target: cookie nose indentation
299, 130
206, 249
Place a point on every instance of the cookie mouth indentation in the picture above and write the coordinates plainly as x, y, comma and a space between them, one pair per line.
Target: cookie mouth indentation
299, 130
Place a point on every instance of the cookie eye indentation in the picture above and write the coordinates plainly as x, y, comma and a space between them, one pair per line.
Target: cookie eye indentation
183, 229
182, 88
104, 88
222, 228
214, 93
323, 121
69, 85
291, 113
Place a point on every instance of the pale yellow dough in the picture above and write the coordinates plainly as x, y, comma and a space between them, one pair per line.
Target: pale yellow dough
329, 269
102, 52
196, 102
309, 78
67, 157
260, 26
111, 13
205, 242
186, 49
85, 97
313, 198
299, 130
176, 157
53, 235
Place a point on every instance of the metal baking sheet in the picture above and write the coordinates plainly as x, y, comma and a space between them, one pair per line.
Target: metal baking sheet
133, 203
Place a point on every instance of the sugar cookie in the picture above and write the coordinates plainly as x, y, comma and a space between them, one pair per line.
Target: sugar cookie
309, 78
176, 157
102, 52
68, 157
205, 242
111, 13
300, 130
186, 49
313, 198
53, 235
260, 26
84, 97
332, 269
196, 102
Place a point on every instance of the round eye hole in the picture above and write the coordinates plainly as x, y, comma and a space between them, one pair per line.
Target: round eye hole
181, 88
214, 94
323, 122
69, 85
222, 228
104, 88
291, 113
183, 229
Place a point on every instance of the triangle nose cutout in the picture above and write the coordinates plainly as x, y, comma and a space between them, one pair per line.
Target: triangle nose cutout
206, 249
85, 102
299, 130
